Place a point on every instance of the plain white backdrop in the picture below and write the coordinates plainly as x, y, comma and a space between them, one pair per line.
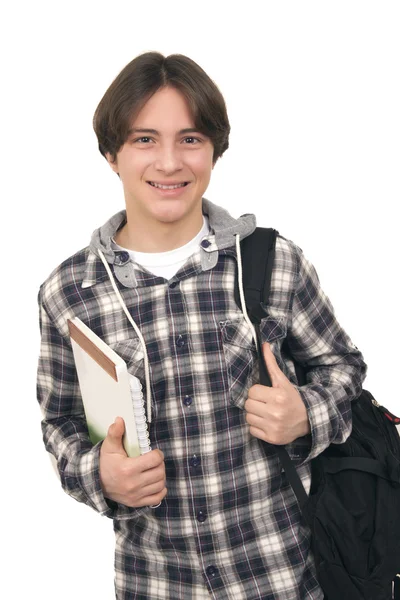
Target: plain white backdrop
313, 96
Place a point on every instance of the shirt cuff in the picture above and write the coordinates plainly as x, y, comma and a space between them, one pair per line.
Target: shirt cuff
88, 475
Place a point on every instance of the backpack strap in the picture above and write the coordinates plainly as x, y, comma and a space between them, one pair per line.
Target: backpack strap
258, 253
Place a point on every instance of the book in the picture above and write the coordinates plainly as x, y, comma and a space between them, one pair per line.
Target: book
108, 390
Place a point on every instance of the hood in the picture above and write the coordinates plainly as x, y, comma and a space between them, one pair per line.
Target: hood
222, 235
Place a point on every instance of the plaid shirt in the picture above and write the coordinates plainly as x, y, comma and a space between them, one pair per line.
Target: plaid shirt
229, 527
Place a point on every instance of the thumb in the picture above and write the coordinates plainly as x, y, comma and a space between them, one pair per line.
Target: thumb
274, 371
113, 441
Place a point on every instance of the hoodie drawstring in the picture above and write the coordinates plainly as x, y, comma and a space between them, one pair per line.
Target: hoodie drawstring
241, 293
136, 328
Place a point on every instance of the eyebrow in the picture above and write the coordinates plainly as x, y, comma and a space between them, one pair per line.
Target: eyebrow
155, 132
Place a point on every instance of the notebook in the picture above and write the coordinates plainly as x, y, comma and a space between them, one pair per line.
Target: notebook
108, 390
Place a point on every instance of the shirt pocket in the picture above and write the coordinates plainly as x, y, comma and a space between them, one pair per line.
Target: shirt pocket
273, 329
130, 350
240, 358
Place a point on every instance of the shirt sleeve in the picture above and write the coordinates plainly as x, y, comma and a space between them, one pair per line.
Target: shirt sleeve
64, 429
334, 365
65, 433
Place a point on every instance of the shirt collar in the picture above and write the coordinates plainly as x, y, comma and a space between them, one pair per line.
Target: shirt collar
223, 228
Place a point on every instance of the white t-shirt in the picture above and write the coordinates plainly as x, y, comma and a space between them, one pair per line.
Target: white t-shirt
166, 264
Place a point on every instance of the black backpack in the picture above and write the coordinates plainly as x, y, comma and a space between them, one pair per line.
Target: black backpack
356, 552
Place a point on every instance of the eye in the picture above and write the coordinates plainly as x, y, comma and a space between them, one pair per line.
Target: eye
192, 138
143, 138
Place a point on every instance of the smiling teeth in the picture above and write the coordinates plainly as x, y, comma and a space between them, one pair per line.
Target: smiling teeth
167, 187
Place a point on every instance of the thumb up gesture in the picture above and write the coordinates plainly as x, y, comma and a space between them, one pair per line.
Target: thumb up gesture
276, 414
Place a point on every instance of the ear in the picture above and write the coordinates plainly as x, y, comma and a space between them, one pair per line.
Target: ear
113, 165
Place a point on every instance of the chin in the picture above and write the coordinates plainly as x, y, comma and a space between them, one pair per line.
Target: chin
171, 214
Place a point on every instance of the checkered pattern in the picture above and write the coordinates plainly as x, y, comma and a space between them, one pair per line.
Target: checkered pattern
230, 526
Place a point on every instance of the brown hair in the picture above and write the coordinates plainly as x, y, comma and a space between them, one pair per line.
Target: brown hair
144, 76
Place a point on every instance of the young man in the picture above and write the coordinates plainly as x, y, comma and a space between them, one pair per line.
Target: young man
227, 524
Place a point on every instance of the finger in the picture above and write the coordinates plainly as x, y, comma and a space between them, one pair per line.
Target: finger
151, 460
255, 407
262, 393
152, 489
153, 500
274, 371
113, 441
152, 476
259, 433
255, 421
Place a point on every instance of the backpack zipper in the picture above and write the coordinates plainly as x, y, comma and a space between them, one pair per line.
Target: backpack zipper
389, 415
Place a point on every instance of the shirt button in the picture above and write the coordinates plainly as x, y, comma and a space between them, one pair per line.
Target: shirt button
201, 516
180, 341
188, 401
205, 244
194, 461
121, 258
173, 284
212, 571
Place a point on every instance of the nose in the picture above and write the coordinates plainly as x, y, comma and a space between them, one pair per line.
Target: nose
168, 159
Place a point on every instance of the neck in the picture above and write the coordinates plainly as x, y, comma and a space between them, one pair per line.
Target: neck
157, 237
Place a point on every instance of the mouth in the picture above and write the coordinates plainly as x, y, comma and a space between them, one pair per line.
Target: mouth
171, 186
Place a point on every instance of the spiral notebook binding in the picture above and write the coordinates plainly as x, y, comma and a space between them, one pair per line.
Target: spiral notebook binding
140, 414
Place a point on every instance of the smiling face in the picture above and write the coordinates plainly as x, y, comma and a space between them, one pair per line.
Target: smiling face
167, 150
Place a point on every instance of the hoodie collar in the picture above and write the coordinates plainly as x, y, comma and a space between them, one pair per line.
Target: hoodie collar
223, 228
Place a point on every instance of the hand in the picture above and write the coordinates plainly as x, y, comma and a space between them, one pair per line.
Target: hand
136, 481
276, 414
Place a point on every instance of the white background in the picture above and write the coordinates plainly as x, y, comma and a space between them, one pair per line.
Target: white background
313, 97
